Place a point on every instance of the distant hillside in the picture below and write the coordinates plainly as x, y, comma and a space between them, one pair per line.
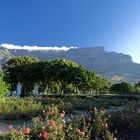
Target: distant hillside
111, 64
5, 55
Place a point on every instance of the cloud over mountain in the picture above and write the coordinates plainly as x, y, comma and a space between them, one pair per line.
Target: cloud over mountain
105, 63
33, 48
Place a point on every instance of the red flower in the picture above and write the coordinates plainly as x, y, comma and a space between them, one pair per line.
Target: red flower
81, 133
27, 130
45, 134
52, 123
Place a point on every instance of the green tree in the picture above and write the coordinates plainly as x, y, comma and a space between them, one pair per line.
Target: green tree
58, 75
122, 87
62, 71
101, 84
18, 70
4, 87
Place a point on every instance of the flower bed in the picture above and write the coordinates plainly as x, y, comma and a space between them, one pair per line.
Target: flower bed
50, 125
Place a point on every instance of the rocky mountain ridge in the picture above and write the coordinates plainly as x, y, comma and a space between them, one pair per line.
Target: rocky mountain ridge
110, 64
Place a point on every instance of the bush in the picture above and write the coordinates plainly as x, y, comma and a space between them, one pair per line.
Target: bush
16, 108
52, 126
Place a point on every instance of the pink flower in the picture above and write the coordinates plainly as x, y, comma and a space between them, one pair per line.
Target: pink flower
63, 114
63, 121
52, 123
10, 127
40, 134
109, 116
81, 133
27, 130
45, 134
78, 130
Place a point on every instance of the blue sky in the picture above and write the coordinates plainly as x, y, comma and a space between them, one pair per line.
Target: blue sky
114, 24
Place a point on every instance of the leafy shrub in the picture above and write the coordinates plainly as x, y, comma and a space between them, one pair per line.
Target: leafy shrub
16, 108
52, 126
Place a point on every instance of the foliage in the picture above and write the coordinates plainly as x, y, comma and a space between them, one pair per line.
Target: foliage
127, 122
18, 70
52, 126
84, 102
58, 75
122, 87
59, 103
15, 108
3, 86
137, 88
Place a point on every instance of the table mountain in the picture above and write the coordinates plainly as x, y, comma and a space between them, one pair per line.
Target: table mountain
110, 64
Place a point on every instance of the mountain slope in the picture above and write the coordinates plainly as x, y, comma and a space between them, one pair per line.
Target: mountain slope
94, 58
5, 55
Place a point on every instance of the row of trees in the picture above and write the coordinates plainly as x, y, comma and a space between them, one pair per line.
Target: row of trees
58, 75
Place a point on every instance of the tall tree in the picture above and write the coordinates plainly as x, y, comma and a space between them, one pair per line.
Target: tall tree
18, 70
62, 70
4, 86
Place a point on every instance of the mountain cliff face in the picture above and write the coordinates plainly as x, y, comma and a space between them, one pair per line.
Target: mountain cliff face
5, 55
109, 64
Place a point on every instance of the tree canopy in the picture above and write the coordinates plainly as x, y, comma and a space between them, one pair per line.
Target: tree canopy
58, 75
122, 87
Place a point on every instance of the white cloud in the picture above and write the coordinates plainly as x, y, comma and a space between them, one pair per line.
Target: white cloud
33, 48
